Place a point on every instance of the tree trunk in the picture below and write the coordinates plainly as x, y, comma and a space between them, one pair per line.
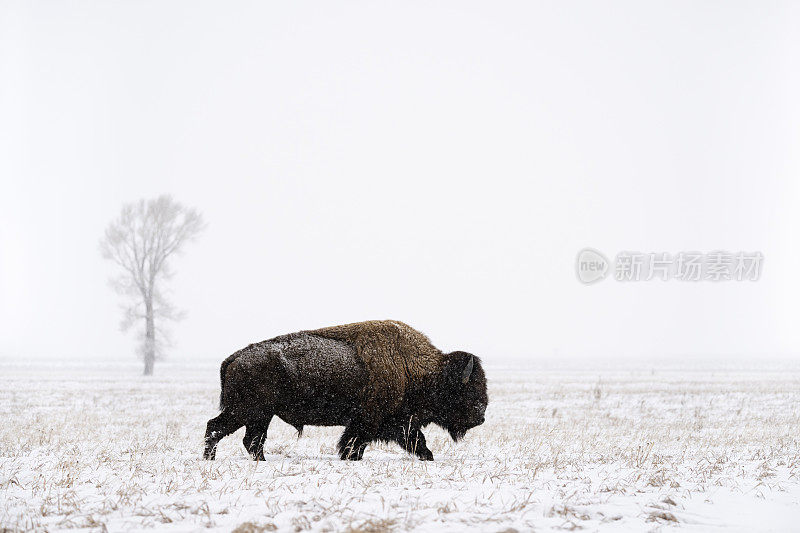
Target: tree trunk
149, 341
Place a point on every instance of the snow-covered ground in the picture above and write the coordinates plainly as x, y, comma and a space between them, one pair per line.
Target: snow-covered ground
612, 447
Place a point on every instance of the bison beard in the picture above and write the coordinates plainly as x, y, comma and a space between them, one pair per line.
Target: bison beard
382, 380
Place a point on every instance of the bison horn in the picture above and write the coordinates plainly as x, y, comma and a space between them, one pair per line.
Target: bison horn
467, 371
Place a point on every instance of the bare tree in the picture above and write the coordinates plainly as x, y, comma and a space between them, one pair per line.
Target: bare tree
141, 241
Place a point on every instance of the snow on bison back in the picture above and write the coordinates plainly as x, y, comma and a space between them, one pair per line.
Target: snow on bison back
381, 379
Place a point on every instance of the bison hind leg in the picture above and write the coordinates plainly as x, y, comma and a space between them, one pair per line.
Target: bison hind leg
254, 436
217, 429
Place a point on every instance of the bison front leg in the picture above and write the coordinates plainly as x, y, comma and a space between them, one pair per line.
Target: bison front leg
354, 441
410, 437
419, 447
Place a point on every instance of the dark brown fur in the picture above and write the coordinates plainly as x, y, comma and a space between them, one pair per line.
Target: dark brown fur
382, 380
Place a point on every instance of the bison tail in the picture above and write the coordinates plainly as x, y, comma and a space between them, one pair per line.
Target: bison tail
222, 368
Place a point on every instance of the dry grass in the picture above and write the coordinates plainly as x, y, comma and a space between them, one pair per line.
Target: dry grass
561, 449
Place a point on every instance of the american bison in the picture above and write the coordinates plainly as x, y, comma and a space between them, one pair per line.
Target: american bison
382, 380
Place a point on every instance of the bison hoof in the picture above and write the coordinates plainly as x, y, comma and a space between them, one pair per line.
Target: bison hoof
350, 455
427, 455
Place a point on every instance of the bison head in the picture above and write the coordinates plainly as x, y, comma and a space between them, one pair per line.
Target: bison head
462, 394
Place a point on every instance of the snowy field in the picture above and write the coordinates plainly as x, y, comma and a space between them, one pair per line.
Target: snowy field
604, 447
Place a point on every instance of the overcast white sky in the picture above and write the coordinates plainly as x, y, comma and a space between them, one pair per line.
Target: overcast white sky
439, 163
